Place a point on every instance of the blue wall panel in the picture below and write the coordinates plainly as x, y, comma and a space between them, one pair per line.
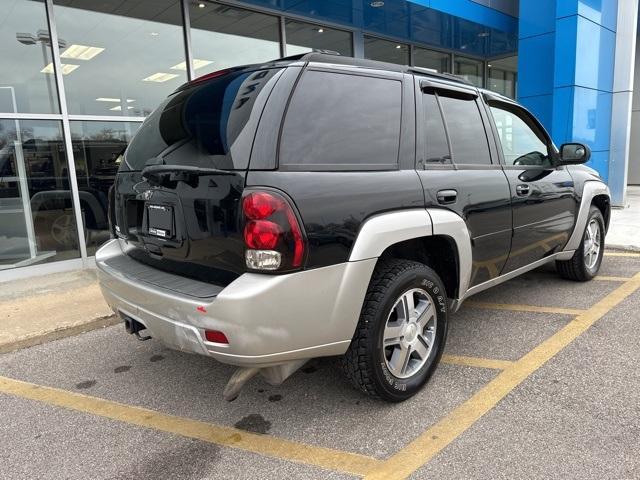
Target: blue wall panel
592, 65
581, 52
542, 107
535, 18
601, 12
535, 65
600, 161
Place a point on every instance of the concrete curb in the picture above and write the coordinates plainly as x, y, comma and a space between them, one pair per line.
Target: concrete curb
626, 248
57, 334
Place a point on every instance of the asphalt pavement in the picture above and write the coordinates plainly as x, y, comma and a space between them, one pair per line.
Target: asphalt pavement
561, 399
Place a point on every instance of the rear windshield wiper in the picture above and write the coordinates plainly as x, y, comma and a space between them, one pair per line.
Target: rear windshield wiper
179, 173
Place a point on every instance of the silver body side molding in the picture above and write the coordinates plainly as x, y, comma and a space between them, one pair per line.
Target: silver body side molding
590, 190
381, 231
449, 224
456, 303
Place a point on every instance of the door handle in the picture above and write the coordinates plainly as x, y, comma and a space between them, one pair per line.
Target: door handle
446, 197
522, 190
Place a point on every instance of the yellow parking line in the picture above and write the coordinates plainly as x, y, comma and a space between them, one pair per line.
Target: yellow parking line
476, 362
350, 463
621, 254
605, 278
523, 308
436, 438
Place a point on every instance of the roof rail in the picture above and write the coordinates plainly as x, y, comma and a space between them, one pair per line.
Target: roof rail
326, 52
435, 73
301, 56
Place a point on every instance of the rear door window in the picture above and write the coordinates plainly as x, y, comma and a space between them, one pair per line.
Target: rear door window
342, 121
469, 144
435, 135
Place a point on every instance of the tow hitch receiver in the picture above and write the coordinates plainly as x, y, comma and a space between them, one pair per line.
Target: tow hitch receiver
134, 327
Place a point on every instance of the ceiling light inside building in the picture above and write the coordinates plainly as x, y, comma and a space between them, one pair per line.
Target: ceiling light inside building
398, 46
197, 63
66, 68
201, 5
377, 4
119, 108
81, 52
114, 100
320, 30
483, 34
160, 77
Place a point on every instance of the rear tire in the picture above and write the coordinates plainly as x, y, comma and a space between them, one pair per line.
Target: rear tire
586, 260
401, 331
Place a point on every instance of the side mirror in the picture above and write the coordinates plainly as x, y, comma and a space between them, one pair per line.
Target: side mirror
574, 154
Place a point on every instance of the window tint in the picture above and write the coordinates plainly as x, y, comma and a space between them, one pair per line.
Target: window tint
341, 119
207, 118
521, 144
466, 131
436, 138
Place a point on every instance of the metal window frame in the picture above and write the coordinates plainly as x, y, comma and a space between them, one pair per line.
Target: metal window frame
186, 35
66, 131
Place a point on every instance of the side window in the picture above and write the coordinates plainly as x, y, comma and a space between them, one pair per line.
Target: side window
435, 135
342, 120
522, 142
466, 131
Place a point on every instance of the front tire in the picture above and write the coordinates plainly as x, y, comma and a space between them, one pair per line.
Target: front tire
586, 260
401, 332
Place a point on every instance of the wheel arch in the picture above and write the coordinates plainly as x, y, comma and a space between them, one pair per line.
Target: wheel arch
603, 202
417, 234
594, 192
438, 252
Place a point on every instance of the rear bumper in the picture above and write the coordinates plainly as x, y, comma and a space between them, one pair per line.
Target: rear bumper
268, 319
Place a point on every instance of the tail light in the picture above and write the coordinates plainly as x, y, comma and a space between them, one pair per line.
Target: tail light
272, 233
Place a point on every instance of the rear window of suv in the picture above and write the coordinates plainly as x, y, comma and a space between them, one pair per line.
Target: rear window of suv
342, 121
207, 124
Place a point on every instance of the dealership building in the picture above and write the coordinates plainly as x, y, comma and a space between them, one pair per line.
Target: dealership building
78, 78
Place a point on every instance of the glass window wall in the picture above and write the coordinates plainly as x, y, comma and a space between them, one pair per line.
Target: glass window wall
37, 222
224, 36
469, 69
122, 58
27, 80
304, 37
386, 51
439, 61
503, 76
97, 152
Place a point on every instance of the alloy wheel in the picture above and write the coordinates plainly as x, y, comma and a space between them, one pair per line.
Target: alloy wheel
409, 333
592, 244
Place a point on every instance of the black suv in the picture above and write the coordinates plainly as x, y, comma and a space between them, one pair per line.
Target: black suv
320, 205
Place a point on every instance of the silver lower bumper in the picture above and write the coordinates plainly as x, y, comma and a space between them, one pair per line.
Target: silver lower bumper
268, 319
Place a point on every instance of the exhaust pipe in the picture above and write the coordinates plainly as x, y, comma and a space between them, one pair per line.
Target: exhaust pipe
237, 381
273, 375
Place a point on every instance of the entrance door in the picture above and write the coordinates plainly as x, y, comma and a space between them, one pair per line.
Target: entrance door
542, 195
